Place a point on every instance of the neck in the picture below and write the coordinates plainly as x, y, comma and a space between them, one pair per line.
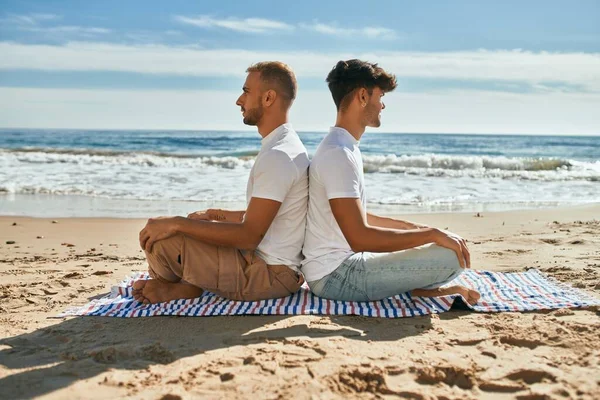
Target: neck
352, 125
268, 125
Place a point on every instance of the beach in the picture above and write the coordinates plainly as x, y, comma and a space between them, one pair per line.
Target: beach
307, 121
55, 263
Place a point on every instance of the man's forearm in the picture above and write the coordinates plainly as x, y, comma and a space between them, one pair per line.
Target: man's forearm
380, 240
226, 215
391, 223
230, 234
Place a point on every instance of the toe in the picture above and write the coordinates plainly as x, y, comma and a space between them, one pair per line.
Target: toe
474, 294
474, 297
139, 285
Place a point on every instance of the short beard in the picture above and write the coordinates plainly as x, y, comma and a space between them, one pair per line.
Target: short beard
372, 117
254, 116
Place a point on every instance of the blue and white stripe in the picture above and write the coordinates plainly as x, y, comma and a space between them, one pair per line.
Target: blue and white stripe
500, 292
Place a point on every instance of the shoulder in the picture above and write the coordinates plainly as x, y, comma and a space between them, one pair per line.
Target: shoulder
335, 155
290, 144
276, 161
289, 149
276, 156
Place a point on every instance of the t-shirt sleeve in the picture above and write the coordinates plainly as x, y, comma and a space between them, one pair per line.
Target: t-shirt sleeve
274, 176
339, 174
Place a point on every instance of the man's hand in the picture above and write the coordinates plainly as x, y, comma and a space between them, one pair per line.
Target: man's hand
157, 229
241, 229
454, 242
201, 215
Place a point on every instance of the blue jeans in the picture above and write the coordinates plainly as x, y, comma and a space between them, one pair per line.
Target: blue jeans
375, 276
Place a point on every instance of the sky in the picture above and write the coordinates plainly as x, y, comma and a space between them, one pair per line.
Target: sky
465, 66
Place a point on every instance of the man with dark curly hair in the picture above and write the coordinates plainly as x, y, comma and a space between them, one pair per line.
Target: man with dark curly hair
354, 255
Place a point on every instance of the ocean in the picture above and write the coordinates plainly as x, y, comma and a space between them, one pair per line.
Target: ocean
74, 173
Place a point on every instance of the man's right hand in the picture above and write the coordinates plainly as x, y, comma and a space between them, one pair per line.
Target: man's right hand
200, 215
455, 243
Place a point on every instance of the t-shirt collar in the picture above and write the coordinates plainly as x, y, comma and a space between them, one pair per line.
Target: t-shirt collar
275, 134
344, 135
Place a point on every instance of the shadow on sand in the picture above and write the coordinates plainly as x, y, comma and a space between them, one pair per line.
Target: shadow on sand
83, 347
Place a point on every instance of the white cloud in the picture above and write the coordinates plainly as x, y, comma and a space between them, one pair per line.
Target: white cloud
28, 19
68, 29
351, 33
581, 70
260, 25
450, 112
44, 17
248, 25
31, 23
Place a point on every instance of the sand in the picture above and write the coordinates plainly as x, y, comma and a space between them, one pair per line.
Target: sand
455, 355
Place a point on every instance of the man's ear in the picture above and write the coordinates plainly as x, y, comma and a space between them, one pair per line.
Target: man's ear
269, 97
363, 97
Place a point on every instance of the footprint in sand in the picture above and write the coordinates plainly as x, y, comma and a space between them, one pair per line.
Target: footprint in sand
502, 387
450, 375
531, 376
351, 381
171, 397
513, 341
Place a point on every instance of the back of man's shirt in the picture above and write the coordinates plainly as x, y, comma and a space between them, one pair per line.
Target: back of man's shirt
280, 173
336, 171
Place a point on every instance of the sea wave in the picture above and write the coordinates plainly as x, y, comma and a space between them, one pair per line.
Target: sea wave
242, 159
427, 165
392, 163
435, 165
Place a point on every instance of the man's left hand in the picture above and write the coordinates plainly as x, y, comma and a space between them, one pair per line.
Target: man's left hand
466, 253
157, 229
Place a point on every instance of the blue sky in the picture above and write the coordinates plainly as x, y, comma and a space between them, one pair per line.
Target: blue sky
463, 66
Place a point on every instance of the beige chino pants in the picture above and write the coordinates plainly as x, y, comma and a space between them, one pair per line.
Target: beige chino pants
226, 271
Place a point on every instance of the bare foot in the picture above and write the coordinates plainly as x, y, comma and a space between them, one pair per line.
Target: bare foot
470, 295
154, 291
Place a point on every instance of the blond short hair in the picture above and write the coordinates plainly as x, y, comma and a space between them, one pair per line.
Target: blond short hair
277, 76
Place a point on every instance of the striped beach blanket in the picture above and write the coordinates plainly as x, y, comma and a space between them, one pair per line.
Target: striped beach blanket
520, 291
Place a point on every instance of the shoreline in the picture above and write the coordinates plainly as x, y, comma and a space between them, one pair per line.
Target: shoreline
579, 209
324, 132
81, 206
454, 355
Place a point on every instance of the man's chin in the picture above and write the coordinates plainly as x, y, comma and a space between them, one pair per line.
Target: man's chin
249, 121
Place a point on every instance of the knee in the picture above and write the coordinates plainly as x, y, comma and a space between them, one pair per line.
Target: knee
448, 258
167, 246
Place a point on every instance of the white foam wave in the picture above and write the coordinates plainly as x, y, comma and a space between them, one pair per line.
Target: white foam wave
393, 180
111, 158
434, 165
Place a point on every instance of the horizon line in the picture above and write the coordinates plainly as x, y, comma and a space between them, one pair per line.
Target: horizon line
303, 131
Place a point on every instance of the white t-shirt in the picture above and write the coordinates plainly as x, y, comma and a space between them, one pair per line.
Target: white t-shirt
280, 173
336, 171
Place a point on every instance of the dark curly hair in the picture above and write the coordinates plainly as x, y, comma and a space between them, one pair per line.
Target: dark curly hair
347, 76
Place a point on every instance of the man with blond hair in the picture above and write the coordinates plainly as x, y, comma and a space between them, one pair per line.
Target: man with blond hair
252, 254
350, 253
